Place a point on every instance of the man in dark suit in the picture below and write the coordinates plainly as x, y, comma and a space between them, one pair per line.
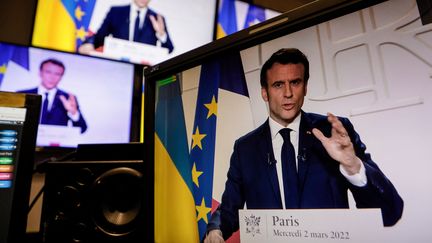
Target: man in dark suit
134, 22
59, 107
298, 159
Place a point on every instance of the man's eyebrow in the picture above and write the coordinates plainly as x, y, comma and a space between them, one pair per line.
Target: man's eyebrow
278, 82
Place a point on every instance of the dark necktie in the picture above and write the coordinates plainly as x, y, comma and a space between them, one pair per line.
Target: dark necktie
44, 108
289, 171
136, 27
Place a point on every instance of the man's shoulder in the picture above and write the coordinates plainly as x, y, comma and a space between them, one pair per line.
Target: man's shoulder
151, 12
62, 92
30, 91
257, 133
319, 120
313, 118
123, 9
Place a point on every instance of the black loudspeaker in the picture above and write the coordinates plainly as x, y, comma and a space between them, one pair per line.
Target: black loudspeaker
425, 10
97, 201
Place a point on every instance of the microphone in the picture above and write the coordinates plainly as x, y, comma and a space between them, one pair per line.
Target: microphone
302, 155
270, 160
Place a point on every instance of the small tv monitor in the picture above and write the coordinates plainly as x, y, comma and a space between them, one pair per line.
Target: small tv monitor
89, 100
19, 117
370, 61
109, 25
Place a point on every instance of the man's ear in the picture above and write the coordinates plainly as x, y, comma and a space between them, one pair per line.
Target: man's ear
305, 89
264, 94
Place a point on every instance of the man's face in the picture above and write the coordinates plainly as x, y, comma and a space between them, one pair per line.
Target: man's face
142, 3
50, 75
285, 92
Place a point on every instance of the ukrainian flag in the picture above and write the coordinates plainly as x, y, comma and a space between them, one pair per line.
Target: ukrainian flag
62, 24
227, 20
175, 219
142, 112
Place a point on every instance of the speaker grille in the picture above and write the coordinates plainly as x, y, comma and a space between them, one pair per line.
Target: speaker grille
101, 201
116, 205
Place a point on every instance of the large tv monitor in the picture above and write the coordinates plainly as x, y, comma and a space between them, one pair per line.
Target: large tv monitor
90, 100
110, 26
369, 61
19, 115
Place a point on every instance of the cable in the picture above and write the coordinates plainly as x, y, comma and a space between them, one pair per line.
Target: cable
41, 168
35, 199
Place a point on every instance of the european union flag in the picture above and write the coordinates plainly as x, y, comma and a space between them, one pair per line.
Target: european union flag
5, 55
254, 15
81, 12
203, 141
226, 73
17, 54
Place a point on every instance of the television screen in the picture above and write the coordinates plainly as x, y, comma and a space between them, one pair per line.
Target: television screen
85, 99
371, 66
107, 28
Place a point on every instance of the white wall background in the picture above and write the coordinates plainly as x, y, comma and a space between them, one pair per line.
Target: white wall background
190, 23
373, 66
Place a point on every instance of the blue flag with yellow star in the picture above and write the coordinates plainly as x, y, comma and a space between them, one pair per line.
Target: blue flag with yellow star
17, 54
203, 141
220, 73
5, 55
62, 24
175, 219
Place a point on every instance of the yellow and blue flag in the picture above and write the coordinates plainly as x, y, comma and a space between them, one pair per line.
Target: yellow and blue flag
142, 112
62, 24
175, 219
227, 20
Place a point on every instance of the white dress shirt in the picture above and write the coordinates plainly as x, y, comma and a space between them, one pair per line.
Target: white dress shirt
51, 95
132, 16
358, 179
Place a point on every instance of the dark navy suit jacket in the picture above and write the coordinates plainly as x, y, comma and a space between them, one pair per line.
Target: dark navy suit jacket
58, 114
116, 23
253, 180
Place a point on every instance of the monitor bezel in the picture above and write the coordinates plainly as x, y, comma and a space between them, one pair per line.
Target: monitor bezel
294, 20
136, 104
284, 24
25, 163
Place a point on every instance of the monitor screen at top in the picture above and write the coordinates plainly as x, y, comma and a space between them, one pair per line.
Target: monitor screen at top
114, 29
84, 99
